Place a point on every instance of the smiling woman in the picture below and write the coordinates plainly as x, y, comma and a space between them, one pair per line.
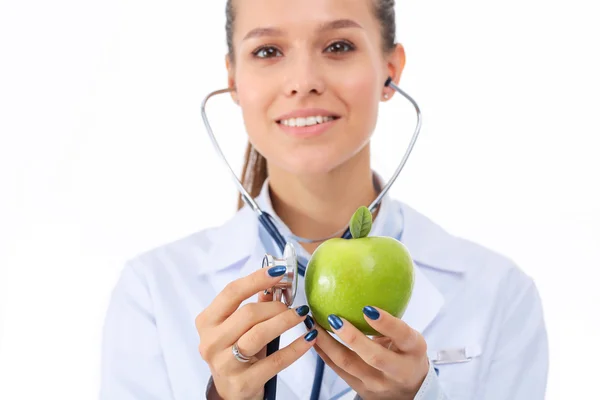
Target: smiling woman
309, 77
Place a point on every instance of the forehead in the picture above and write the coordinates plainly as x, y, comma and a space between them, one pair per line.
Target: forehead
302, 16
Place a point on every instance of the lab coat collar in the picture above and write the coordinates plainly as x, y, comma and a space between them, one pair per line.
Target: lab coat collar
429, 245
232, 242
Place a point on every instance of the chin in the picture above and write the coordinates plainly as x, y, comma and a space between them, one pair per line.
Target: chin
310, 162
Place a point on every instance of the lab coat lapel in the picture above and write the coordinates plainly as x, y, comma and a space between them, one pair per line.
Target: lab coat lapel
426, 300
425, 303
231, 250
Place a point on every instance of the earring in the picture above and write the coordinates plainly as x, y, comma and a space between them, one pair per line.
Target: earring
386, 95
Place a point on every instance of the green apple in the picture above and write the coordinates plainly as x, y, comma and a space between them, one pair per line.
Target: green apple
345, 275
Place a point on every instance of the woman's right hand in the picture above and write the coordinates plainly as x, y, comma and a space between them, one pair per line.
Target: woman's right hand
253, 326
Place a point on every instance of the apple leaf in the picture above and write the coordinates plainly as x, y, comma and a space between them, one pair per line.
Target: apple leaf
361, 222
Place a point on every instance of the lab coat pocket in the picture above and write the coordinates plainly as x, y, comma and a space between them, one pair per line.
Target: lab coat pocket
458, 368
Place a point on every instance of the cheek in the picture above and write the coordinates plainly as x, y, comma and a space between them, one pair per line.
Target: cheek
360, 85
368, 93
254, 99
363, 93
251, 93
250, 89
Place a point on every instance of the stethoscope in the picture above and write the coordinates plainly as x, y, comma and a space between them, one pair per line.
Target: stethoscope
286, 288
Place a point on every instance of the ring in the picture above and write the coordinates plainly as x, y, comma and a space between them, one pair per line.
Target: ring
239, 356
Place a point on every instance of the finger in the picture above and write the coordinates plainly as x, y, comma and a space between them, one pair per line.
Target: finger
351, 380
244, 318
369, 351
262, 297
265, 369
344, 358
383, 341
261, 334
214, 340
405, 338
230, 298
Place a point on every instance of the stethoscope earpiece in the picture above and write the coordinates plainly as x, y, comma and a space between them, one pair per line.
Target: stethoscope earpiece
286, 288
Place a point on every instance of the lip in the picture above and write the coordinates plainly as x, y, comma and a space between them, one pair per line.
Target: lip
307, 131
307, 112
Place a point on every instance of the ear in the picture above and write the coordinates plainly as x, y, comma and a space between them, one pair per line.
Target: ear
395, 62
231, 78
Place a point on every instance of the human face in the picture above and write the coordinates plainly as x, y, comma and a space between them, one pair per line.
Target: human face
309, 58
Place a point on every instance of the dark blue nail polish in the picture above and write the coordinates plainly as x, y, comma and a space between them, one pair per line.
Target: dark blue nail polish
277, 271
310, 336
309, 322
302, 311
371, 312
335, 321
437, 371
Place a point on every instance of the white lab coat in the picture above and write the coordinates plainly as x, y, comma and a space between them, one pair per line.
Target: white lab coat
471, 305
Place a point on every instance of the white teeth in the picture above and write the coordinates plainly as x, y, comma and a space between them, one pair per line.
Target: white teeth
308, 121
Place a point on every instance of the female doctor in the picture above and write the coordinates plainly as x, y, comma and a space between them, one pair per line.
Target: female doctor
308, 76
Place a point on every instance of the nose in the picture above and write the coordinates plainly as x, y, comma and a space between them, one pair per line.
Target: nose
304, 77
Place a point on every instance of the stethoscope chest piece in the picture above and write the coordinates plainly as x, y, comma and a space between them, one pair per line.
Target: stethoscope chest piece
286, 288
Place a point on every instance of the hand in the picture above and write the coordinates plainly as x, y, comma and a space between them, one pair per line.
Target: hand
392, 366
223, 323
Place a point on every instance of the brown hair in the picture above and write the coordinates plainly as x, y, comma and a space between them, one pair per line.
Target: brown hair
254, 172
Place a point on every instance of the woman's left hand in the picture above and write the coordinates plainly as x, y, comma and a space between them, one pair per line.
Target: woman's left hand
392, 366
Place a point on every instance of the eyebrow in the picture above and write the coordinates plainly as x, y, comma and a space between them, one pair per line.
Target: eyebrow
327, 26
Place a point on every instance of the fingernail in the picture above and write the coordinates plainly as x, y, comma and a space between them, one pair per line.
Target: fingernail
302, 311
371, 312
309, 322
335, 321
310, 336
277, 271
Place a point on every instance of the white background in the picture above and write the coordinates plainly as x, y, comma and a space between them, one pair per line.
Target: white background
103, 155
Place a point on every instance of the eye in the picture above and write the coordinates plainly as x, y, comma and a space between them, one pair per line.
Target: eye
266, 52
340, 47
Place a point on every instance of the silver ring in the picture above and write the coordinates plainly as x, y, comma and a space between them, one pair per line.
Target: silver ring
239, 356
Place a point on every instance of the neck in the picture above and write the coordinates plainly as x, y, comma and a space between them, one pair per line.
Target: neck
317, 206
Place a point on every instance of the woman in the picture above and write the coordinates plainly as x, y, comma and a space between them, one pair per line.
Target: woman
309, 76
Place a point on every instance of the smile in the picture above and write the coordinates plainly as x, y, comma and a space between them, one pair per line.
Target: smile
306, 121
